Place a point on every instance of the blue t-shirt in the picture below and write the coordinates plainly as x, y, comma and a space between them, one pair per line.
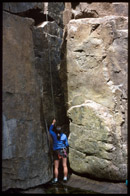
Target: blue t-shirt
58, 144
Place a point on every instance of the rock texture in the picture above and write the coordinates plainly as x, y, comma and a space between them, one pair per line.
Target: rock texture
96, 95
31, 60
21, 7
77, 72
76, 10
99, 187
100, 9
25, 149
38, 11
47, 64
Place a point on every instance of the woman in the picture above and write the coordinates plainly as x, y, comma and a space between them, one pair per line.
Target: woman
60, 148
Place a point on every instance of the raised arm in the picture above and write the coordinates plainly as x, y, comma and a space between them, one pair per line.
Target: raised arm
53, 122
51, 127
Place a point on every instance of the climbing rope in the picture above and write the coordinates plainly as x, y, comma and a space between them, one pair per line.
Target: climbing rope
52, 93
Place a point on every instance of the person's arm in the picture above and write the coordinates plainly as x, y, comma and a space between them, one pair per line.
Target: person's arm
53, 122
51, 127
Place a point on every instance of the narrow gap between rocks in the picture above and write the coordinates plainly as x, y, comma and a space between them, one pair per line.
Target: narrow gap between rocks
35, 14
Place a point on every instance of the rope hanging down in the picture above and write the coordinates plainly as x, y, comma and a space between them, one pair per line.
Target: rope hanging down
52, 94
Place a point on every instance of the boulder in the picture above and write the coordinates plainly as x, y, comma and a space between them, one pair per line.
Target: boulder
96, 95
54, 10
77, 10
19, 7
32, 97
25, 150
100, 9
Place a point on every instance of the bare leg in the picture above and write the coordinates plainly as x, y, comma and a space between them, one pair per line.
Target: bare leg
65, 168
56, 167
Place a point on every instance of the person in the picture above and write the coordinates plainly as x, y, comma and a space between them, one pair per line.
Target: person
60, 149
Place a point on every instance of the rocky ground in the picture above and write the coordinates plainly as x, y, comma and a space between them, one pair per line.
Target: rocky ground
78, 185
97, 186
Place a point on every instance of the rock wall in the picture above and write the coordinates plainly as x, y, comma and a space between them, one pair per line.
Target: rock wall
64, 60
95, 63
31, 58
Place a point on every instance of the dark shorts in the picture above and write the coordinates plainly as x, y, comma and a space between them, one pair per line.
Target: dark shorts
60, 153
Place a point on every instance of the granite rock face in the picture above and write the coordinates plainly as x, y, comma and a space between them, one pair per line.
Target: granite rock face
26, 159
31, 60
47, 64
77, 10
100, 9
38, 11
96, 95
15, 7
77, 72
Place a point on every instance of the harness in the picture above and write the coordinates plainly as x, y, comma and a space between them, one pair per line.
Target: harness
61, 153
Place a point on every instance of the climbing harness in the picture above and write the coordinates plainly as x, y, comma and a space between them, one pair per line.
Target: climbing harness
61, 153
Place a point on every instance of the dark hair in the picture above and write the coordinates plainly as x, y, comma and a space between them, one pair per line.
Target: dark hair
58, 132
